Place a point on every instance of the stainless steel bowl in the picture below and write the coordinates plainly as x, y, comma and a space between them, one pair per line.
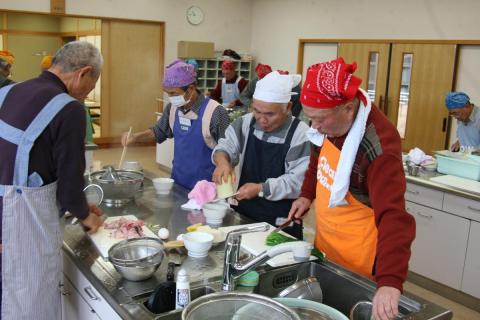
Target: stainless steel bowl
237, 306
137, 259
118, 188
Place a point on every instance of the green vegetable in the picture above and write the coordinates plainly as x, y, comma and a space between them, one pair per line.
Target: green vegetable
275, 238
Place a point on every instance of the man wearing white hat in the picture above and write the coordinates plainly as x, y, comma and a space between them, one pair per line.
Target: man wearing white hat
272, 150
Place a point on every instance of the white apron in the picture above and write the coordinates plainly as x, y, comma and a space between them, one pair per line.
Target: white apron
31, 232
230, 91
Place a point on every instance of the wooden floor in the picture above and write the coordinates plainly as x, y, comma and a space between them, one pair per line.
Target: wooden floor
146, 157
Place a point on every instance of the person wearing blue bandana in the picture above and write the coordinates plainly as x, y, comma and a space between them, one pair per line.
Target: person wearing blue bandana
468, 120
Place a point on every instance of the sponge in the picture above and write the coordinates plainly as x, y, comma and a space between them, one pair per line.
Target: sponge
249, 279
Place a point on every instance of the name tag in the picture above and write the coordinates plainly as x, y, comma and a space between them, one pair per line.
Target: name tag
185, 121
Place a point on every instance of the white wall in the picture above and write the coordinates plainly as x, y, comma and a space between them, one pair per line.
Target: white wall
278, 24
468, 79
227, 22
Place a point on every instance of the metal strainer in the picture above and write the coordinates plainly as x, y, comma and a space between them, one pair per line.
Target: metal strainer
94, 194
308, 288
237, 306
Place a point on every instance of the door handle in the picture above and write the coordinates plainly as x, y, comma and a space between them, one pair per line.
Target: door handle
427, 216
90, 293
444, 125
380, 103
385, 106
472, 208
413, 192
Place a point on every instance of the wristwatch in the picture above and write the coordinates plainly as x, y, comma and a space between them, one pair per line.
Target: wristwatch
260, 194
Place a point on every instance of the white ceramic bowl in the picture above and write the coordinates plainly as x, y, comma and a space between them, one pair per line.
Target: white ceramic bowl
163, 185
214, 212
198, 243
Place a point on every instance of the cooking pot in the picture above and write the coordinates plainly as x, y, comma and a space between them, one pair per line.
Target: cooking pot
119, 186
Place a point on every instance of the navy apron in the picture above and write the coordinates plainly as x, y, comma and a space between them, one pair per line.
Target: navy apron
265, 160
191, 156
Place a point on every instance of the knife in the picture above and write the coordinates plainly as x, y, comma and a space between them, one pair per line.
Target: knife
283, 225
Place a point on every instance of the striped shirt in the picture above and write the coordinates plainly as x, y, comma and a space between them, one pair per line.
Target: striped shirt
286, 186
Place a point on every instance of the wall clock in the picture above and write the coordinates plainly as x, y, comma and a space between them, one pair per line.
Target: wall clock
195, 15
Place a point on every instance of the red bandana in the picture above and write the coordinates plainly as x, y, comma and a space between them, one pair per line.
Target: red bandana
329, 84
262, 70
228, 65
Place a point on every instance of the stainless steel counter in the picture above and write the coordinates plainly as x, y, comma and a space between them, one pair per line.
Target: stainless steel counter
163, 211
343, 288
424, 180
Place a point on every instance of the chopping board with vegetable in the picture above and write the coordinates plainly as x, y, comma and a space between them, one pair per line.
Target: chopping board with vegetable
116, 229
256, 242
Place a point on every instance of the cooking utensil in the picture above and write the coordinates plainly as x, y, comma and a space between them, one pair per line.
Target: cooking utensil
311, 310
223, 198
119, 186
363, 310
124, 151
94, 195
173, 244
283, 225
308, 288
237, 306
137, 259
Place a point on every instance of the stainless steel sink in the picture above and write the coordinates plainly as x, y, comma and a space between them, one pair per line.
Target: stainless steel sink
342, 289
139, 309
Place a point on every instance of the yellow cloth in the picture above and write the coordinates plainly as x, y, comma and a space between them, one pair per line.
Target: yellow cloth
7, 56
46, 62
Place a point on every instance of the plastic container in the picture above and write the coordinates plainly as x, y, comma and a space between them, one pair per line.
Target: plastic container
182, 292
465, 168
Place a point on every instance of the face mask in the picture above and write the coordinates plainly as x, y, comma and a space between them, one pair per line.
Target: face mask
178, 101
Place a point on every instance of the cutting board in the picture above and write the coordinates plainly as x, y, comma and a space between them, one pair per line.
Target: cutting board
458, 183
254, 243
103, 240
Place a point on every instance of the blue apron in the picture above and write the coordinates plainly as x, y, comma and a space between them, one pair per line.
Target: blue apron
30, 228
191, 156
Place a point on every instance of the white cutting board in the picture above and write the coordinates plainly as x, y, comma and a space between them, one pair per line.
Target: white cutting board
254, 243
458, 183
103, 240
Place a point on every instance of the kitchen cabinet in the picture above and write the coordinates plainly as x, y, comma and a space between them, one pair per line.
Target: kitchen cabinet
471, 273
438, 251
74, 307
84, 297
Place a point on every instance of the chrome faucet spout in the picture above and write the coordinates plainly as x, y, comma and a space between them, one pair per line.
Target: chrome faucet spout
232, 269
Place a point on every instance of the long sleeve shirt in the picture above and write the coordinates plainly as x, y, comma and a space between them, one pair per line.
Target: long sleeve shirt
247, 94
286, 186
218, 123
378, 181
468, 132
58, 154
216, 94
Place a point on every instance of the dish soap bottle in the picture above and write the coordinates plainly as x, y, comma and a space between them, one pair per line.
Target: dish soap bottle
182, 294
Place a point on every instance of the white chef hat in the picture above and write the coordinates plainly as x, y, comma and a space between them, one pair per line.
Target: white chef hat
276, 87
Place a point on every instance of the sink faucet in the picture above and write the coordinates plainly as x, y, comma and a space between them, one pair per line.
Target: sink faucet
232, 269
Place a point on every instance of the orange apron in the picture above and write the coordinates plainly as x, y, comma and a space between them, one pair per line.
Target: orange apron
347, 234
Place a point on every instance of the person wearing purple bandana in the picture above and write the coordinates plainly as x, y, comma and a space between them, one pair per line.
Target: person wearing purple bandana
195, 121
468, 120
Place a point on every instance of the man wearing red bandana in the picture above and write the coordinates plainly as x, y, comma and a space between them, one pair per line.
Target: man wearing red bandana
228, 90
357, 180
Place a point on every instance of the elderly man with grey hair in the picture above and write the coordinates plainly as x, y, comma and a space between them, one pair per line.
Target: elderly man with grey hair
272, 150
42, 131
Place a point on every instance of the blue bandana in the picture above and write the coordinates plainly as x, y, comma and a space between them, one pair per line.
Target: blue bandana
456, 100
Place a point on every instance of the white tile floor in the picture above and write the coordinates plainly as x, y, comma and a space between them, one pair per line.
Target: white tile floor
146, 157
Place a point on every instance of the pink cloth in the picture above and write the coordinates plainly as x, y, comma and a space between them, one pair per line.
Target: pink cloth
203, 192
